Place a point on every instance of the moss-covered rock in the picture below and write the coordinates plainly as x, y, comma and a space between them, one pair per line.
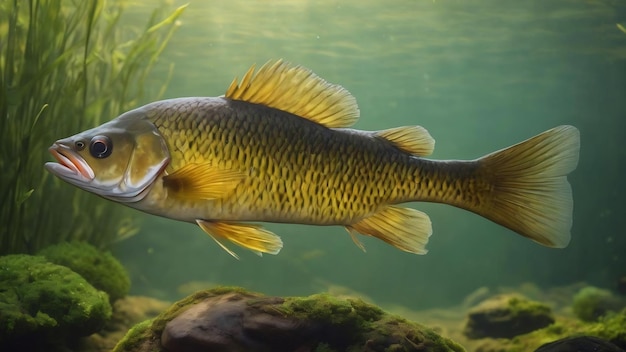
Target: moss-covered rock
234, 319
611, 328
579, 343
100, 269
506, 316
42, 303
590, 303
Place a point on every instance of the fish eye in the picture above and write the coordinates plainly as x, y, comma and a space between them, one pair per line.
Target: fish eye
100, 147
80, 145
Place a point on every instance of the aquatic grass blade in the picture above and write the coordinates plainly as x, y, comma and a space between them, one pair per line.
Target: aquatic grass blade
60, 64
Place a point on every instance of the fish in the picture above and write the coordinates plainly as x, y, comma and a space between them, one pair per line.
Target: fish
277, 147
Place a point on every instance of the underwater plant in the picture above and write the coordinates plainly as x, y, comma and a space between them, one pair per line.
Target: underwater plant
65, 66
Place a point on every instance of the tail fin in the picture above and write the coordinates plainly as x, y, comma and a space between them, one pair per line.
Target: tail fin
530, 193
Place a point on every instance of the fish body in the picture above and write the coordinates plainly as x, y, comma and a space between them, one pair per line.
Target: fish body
277, 148
295, 170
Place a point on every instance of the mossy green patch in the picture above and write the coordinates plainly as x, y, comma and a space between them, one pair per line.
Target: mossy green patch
40, 300
590, 303
331, 310
100, 269
135, 337
520, 306
611, 327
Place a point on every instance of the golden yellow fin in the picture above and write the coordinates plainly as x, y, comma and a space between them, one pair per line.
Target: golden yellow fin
252, 237
412, 139
404, 228
202, 181
355, 238
530, 193
296, 90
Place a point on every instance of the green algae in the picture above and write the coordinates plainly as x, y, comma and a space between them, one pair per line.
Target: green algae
135, 337
524, 307
355, 321
611, 327
334, 311
41, 302
100, 269
590, 303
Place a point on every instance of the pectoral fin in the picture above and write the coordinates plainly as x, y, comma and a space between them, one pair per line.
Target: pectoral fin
252, 237
404, 228
202, 181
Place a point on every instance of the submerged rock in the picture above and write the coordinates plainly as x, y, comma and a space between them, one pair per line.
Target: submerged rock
99, 268
579, 344
590, 303
610, 328
42, 305
506, 316
232, 319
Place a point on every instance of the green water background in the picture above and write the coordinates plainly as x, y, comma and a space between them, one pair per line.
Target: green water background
479, 75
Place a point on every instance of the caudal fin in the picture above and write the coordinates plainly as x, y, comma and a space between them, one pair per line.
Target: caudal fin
529, 192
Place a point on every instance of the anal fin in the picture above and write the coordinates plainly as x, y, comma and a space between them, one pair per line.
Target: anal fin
404, 228
250, 236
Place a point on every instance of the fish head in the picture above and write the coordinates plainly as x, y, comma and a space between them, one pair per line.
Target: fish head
118, 160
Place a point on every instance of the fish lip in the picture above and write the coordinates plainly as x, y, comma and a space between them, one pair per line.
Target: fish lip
69, 163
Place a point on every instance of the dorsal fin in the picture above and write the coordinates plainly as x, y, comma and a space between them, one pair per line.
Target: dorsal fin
412, 139
296, 90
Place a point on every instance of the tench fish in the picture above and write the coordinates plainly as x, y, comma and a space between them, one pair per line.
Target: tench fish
277, 148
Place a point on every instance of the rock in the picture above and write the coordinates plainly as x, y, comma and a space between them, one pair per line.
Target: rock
506, 316
235, 326
99, 268
579, 344
43, 305
590, 303
232, 319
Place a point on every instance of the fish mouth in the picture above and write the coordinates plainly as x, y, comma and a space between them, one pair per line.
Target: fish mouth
69, 164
